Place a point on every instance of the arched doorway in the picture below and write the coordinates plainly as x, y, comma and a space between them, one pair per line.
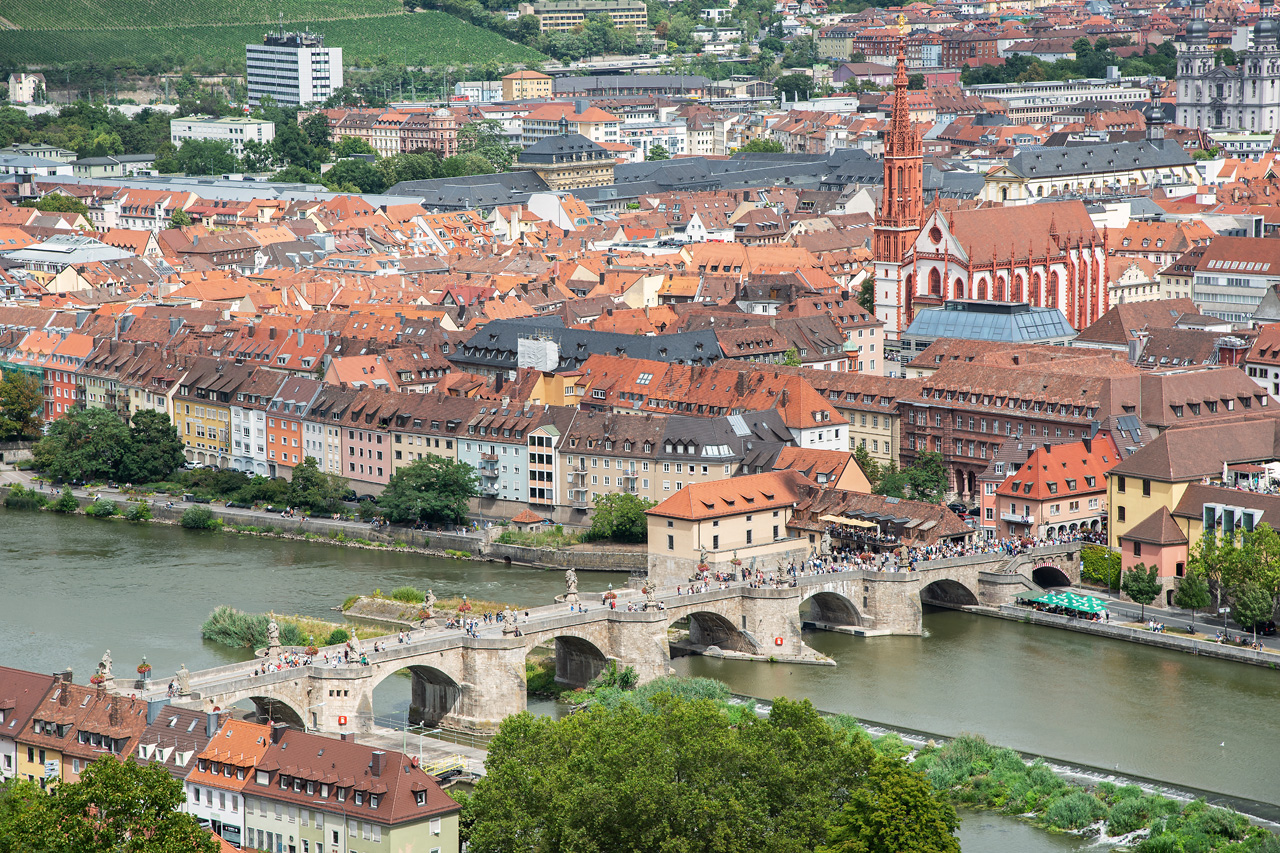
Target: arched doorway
1049, 575
830, 609
948, 593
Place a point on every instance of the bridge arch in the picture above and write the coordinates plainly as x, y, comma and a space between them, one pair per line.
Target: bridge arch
433, 693
1050, 575
578, 660
947, 592
273, 709
832, 608
708, 628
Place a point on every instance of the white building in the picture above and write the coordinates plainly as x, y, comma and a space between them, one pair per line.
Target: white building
293, 68
643, 135
24, 87
223, 129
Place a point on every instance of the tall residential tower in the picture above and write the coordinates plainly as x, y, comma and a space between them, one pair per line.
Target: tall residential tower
293, 68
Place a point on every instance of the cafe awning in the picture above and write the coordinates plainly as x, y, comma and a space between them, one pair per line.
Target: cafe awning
850, 522
1072, 601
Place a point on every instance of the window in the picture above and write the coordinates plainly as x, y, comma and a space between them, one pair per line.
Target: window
671, 542
1120, 485
1146, 488
1137, 549
1119, 513
715, 542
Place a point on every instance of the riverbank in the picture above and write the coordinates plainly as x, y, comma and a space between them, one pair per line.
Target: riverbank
358, 534
1195, 645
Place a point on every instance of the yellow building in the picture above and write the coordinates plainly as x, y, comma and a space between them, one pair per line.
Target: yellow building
1155, 479
428, 425
202, 410
523, 85
568, 162
562, 15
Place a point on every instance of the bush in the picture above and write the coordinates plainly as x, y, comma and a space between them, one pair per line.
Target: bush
20, 497
66, 503
240, 630
140, 511
101, 508
1075, 811
351, 599
336, 637
1101, 566
407, 594
199, 518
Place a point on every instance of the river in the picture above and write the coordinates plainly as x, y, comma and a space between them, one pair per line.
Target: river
76, 586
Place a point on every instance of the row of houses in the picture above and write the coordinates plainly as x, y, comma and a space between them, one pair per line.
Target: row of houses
258, 786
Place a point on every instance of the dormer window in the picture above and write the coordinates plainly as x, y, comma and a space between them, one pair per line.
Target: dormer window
420, 797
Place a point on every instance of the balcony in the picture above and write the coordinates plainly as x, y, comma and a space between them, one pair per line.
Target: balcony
489, 457
489, 473
489, 490
579, 503
1014, 518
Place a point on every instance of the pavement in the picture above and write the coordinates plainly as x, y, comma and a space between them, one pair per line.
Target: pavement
1176, 620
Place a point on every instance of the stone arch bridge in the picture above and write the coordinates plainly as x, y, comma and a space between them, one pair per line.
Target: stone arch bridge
472, 683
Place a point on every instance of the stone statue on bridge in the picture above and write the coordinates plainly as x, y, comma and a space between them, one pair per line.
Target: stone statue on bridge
826, 544
650, 596
508, 622
570, 586
273, 639
429, 604
184, 681
104, 666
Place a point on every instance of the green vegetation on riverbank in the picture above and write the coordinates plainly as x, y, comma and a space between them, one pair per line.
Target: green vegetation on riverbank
241, 630
415, 597
667, 767
971, 772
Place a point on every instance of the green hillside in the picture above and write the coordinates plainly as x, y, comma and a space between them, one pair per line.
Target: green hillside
92, 31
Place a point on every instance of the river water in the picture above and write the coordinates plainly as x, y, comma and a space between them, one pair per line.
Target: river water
76, 586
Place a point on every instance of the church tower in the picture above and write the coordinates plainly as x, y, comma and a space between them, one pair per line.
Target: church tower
898, 220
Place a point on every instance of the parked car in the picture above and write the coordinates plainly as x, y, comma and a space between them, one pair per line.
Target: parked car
1265, 629
957, 507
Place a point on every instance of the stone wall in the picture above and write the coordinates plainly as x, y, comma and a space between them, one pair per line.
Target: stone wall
594, 560
670, 568
15, 451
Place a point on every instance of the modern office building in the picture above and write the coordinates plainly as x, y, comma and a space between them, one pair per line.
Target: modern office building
293, 68
230, 129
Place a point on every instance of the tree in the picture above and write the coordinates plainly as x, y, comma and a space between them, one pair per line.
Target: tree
21, 405
620, 516
199, 518
1192, 592
1142, 584
1251, 605
791, 357
895, 810
58, 203
708, 781
155, 448
433, 490
315, 128
794, 86
867, 295
915, 82
296, 175
461, 165
892, 483
315, 490
84, 444
180, 218
485, 139
115, 805
760, 145
364, 176
928, 477
658, 152
349, 146
1225, 56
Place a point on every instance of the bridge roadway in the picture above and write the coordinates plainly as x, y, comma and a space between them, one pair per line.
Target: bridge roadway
472, 683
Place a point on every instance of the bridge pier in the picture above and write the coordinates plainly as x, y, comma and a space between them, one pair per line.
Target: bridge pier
493, 684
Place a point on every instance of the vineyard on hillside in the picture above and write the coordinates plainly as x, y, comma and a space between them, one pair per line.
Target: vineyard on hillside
97, 15
429, 38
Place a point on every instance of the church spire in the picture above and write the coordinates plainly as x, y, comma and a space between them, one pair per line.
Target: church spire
898, 219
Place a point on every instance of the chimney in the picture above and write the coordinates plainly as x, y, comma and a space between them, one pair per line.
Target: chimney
1088, 444
300, 335
349, 737
271, 333
113, 715
579, 106
376, 765
211, 723
277, 732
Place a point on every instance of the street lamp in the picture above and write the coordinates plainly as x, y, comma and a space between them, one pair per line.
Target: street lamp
343, 833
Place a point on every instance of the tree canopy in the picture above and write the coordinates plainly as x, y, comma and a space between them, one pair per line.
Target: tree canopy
95, 444
432, 489
686, 774
620, 516
21, 405
314, 490
760, 145
1142, 584
115, 806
